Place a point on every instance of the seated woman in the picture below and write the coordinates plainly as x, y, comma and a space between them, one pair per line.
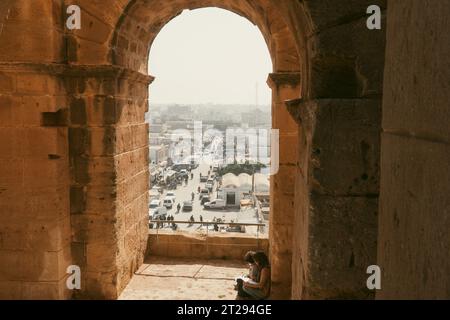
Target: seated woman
260, 288
253, 273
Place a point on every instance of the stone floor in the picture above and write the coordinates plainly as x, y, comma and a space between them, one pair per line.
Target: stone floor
184, 279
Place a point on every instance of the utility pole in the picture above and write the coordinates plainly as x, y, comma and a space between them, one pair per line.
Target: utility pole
256, 95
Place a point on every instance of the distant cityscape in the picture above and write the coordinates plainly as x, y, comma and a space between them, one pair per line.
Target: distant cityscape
210, 163
165, 120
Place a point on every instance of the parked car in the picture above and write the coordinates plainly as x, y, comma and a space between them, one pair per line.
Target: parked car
237, 229
205, 199
188, 206
159, 213
171, 195
204, 192
184, 173
153, 206
216, 204
168, 202
210, 185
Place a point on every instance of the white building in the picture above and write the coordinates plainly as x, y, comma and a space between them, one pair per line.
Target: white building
158, 154
235, 188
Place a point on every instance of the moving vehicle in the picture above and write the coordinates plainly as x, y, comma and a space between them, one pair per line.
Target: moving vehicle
188, 206
203, 178
216, 204
168, 202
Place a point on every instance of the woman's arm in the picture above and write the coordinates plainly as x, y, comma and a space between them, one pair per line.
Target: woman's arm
265, 276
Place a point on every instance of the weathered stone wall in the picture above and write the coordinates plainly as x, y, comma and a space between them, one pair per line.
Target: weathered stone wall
183, 245
414, 240
109, 189
95, 166
34, 159
34, 179
132, 40
337, 180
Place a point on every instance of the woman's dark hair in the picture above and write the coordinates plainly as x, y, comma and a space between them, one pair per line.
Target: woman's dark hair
249, 257
261, 259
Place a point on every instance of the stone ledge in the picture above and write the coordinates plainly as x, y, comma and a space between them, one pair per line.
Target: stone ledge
85, 71
278, 79
185, 245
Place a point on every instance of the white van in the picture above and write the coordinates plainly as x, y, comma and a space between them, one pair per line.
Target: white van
216, 204
168, 202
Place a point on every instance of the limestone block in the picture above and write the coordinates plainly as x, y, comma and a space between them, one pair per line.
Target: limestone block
100, 285
43, 235
132, 188
283, 120
94, 229
7, 82
131, 111
284, 181
132, 137
282, 209
131, 163
281, 235
37, 84
343, 240
288, 154
10, 110
100, 171
348, 61
34, 265
43, 11
101, 110
414, 219
11, 142
45, 143
11, 290
30, 41
81, 51
54, 290
345, 145
101, 257
34, 106
326, 13
46, 203
93, 29
102, 141
45, 173
100, 199
9, 193
416, 99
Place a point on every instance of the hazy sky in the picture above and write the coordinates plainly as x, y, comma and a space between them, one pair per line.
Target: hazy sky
210, 56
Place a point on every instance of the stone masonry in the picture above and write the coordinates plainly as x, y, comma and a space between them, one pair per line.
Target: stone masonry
363, 121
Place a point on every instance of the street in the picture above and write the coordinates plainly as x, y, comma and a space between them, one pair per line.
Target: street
184, 193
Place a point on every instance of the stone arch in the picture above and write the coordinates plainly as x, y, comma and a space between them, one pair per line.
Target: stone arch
143, 20
133, 37
83, 105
